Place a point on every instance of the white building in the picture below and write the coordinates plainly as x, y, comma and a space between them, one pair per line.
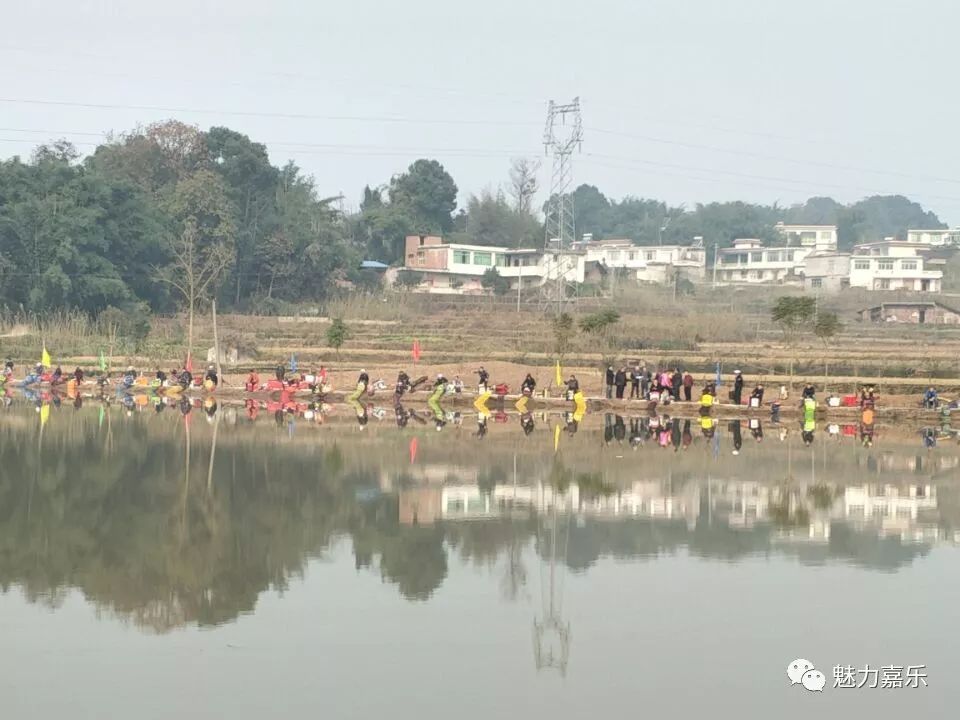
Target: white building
893, 265
458, 269
649, 263
934, 238
823, 237
826, 271
749, 262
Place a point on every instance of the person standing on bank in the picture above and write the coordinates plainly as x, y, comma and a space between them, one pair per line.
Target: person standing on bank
610, 377
687, 386
635, 383
620, 380
737, 393
676, 380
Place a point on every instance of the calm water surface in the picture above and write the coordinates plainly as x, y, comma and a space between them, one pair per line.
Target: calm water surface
157, 566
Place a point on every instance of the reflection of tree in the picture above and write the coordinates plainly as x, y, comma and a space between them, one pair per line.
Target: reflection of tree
121, 523
416, 560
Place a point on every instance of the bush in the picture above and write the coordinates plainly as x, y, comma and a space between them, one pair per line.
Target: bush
493, 280
409, 279
130, 324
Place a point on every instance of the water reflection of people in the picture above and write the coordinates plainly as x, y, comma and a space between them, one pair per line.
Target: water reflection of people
400, 412
572, 422
675, 434
756, 430
929, 438
527, 423
607, 428
734, 428
636, 433
619, 429
808, 426
482, 425
707, 428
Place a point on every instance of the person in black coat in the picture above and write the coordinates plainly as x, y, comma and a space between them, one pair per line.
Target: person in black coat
610, 377
676, 382
737, 393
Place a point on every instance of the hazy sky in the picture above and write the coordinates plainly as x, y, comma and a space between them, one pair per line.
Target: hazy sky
686, 101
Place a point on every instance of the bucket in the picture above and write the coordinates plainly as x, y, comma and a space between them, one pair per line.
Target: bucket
754, 402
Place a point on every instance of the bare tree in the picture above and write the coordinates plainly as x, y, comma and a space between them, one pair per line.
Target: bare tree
195, 269
523, 183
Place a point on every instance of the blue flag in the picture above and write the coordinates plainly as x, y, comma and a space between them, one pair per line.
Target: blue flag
293, 363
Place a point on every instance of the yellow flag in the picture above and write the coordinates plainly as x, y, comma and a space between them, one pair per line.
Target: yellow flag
559, 375
44, 414
45, 358
556, 438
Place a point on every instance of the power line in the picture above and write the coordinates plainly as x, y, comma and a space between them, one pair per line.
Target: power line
748, 153
257, 113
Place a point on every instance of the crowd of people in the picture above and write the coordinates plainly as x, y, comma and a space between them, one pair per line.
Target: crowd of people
662, 386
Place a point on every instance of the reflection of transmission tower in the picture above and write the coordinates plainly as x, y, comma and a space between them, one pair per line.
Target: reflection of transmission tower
562, 135
551, 635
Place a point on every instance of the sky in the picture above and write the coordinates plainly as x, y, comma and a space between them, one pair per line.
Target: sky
688, 101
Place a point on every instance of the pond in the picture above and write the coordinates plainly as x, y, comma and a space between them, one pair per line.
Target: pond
249, 562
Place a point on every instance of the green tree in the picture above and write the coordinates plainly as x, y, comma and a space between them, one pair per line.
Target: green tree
493, 281
827, 326
490, 220
204, 247
793, 314
337, 334
427, 194
600, 325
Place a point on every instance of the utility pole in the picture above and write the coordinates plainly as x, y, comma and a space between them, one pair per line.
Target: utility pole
716, 248
562, 135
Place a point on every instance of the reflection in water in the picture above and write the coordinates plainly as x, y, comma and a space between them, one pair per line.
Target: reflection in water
108, 502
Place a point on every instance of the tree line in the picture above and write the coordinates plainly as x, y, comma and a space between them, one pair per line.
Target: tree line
169, 216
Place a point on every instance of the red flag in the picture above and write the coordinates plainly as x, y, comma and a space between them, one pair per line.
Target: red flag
189, 363
416, 351
413, 450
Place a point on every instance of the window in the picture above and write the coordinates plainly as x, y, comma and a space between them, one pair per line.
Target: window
861, 264
483, 258
789, 255
885, 284
756, 257
773, 256
825, 234
650, 255
421, 260
816, 282
501, 261
614, 255
632, 256
743, 274
461, 256
884, 264
909, 264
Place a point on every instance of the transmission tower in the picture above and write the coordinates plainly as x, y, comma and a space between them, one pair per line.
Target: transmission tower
551, 633
562, 135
